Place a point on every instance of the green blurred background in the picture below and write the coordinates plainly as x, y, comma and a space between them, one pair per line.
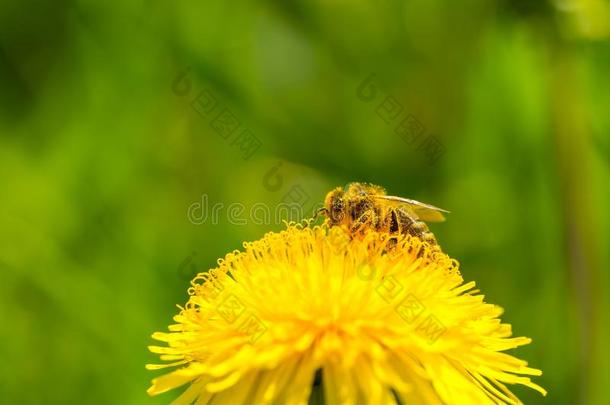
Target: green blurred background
102, 154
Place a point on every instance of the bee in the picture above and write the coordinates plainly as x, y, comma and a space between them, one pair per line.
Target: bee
362, 206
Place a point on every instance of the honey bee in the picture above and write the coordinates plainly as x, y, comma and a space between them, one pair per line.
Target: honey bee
362, 206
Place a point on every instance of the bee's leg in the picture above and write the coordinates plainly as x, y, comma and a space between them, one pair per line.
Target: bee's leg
393, 227
394, 224
361, 222
376, 218
365, 220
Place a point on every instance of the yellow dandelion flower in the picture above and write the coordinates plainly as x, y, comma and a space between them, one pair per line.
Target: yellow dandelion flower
378, 319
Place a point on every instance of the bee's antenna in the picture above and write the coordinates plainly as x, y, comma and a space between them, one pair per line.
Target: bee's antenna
319, 212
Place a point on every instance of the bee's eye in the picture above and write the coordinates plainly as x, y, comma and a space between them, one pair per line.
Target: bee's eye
337, 210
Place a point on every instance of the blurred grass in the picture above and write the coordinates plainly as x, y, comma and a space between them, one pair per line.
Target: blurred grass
100, 160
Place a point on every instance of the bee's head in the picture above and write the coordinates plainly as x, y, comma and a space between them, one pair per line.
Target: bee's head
335, 205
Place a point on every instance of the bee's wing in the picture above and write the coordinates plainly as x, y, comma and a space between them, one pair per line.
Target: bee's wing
425, 212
